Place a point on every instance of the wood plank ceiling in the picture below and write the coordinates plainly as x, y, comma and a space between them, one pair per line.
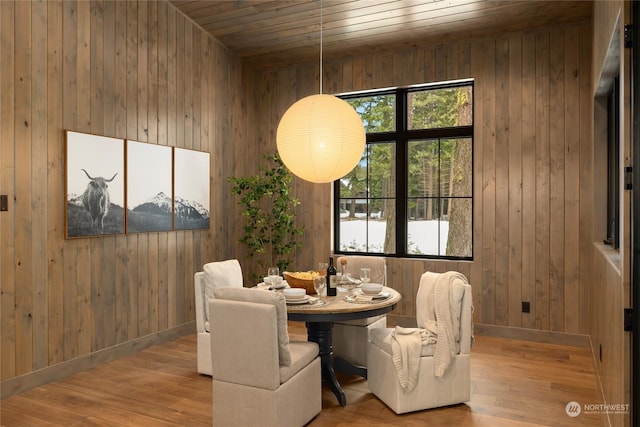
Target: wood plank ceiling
282, 32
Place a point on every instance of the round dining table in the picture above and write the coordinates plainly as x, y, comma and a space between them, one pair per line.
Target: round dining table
319, 318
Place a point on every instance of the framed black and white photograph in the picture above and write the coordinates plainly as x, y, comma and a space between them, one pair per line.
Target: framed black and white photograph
94, 185
191, 189
149, 194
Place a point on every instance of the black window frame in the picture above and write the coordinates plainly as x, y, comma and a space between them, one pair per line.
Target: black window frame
613, 166
401, 137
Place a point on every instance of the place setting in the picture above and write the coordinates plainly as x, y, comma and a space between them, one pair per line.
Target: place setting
273, 281
299, 297
367, 293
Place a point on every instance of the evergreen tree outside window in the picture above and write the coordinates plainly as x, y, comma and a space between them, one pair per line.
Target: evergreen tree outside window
411, 194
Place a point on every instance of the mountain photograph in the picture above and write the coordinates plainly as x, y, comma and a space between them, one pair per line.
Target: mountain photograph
151, 215
148, 187
191, 189
155, 215
190, 215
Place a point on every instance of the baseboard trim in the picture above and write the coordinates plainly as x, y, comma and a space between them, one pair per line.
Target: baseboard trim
509, 332
73, 366
535, 335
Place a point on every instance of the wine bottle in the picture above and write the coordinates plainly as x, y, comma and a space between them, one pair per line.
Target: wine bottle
332, 283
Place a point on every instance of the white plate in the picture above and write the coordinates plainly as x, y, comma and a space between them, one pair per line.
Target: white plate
281, 285
380, 295
302, 300
354, 297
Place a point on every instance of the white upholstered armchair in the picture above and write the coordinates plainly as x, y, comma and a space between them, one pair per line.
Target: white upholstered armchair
259, 377
436, 354
214, 275
350, 337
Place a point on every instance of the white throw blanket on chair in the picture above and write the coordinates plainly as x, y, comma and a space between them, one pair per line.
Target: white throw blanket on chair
406, 348
436, 323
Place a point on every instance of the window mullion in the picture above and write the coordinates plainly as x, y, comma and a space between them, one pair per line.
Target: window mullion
402, 173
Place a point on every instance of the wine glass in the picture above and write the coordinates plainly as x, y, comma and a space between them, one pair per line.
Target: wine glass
272, 273
319, 283
322, 268
365, 275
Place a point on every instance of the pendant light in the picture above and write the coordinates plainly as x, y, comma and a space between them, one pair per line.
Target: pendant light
320, 138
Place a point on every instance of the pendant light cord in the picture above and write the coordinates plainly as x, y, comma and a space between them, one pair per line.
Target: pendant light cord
320, 47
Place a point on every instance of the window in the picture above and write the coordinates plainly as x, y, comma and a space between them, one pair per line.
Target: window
613, 166
411, 194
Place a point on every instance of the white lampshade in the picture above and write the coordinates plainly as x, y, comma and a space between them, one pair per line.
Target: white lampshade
320, 138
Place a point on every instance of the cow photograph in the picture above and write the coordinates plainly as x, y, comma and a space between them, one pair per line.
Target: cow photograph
94, 185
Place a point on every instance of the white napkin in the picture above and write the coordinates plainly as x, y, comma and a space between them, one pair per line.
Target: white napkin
355, 297
310, 300
364, 298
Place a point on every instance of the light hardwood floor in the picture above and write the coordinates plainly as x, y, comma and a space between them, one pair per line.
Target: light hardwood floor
513, 384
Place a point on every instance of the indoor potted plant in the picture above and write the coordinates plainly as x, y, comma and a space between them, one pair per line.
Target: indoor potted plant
268, 209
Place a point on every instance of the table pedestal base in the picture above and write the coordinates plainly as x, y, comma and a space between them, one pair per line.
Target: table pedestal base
349, 368
319, 319
321, 333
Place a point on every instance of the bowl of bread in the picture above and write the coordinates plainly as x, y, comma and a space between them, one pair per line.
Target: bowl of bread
301, 279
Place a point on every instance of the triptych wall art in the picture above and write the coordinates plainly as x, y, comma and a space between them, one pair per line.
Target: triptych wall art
116, 186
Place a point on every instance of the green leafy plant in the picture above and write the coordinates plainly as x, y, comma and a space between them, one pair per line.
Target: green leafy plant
269, 211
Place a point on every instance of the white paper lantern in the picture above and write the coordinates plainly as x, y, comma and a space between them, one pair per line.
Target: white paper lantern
320, 138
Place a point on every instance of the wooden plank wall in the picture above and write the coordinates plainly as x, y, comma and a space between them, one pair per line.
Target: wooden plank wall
137, 70
140, 70
610, 288
606, 330
533, 174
